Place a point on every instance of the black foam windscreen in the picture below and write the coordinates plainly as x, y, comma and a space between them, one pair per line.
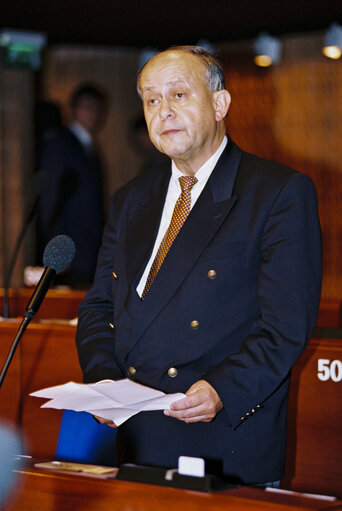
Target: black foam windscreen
59, 253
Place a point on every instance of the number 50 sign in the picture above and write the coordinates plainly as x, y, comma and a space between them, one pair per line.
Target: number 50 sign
329, 370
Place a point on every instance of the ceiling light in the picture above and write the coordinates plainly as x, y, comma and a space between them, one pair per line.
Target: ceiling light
267, 50
203, 43
145, 55
333, 42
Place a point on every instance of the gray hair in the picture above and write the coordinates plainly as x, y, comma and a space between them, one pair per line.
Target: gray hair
213, 69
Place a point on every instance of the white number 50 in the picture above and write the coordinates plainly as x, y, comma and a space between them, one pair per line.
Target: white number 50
329, 370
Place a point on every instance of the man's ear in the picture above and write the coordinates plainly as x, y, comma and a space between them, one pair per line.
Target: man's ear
221, 104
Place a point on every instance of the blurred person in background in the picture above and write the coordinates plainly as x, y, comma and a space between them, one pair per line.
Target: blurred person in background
72, 204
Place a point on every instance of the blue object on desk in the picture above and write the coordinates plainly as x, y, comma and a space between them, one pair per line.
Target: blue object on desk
82, 440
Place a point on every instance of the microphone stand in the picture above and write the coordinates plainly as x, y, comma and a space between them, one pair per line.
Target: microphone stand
32, 307
15, 343
8, 275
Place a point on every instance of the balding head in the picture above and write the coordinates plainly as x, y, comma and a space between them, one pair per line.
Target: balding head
212, 68
185, 118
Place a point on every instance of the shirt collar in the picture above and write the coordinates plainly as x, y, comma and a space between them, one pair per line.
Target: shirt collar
82, 135
206, 169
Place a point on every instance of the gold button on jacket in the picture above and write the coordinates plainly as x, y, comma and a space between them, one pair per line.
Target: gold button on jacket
194, 324
172, 372
114, 275
131, 371
212, 274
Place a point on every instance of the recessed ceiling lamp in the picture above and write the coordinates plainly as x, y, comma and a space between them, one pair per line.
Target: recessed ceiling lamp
333, 42
145, 55
267, 50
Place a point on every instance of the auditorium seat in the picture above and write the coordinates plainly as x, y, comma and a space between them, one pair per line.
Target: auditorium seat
82, 440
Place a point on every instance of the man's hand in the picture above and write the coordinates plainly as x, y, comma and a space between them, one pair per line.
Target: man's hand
201, 404
109, 423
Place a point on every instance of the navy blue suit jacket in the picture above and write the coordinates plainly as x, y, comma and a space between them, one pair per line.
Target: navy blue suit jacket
256, 225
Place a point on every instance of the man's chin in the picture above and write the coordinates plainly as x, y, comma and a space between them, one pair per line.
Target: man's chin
173, 152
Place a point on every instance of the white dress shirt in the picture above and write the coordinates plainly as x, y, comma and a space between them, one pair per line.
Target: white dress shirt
173, 193
82, 135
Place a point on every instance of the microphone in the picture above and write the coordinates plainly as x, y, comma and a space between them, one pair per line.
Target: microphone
58, 254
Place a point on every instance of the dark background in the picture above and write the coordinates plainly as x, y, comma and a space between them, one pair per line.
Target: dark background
159, 23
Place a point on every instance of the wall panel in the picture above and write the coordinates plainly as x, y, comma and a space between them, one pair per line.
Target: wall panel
292, 112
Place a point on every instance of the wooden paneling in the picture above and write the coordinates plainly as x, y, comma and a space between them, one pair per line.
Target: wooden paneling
49, 358
330, 314
314, 451
10, 392
46, 356
58, 303
16, 161
292, 113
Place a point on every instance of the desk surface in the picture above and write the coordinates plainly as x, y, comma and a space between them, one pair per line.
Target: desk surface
49, 491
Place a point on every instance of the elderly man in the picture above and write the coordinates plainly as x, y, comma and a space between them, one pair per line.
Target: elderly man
208, 282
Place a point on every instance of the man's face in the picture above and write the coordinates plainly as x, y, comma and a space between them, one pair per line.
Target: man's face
89, 113
179, 108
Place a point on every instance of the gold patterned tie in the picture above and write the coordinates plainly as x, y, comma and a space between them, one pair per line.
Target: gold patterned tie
180, 213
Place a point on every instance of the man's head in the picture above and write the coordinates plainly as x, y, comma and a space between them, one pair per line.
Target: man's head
88, 106
185, 104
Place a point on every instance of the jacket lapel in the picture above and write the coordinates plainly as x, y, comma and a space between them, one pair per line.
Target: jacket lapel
209, 212
142, 227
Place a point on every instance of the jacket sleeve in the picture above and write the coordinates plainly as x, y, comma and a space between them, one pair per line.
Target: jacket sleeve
289, 286
95, 334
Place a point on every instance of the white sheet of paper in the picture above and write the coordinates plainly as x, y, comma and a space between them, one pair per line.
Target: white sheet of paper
115, 400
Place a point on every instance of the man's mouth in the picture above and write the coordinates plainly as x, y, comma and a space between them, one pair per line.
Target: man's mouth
170, 131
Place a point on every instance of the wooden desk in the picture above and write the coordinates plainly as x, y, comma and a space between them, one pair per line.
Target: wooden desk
47, 356
64, 303
314, 454
46, 491
330, 314
58, 303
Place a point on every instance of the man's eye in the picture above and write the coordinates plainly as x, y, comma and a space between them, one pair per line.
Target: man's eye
151, 101
180, 95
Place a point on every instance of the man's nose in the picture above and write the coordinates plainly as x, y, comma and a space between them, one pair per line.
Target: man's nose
166, 111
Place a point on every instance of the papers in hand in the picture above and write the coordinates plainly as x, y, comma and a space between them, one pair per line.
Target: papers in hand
114, 400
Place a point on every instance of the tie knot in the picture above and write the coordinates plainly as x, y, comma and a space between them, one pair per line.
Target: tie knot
187, 182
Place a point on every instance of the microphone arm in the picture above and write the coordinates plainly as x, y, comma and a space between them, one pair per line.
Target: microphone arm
40, 292
14, 257
15, 343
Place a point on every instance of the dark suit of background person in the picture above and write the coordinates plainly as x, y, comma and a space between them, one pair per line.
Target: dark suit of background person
234, 304
72, 204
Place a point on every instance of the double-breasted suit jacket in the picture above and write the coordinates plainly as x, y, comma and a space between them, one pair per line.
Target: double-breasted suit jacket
234, 303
